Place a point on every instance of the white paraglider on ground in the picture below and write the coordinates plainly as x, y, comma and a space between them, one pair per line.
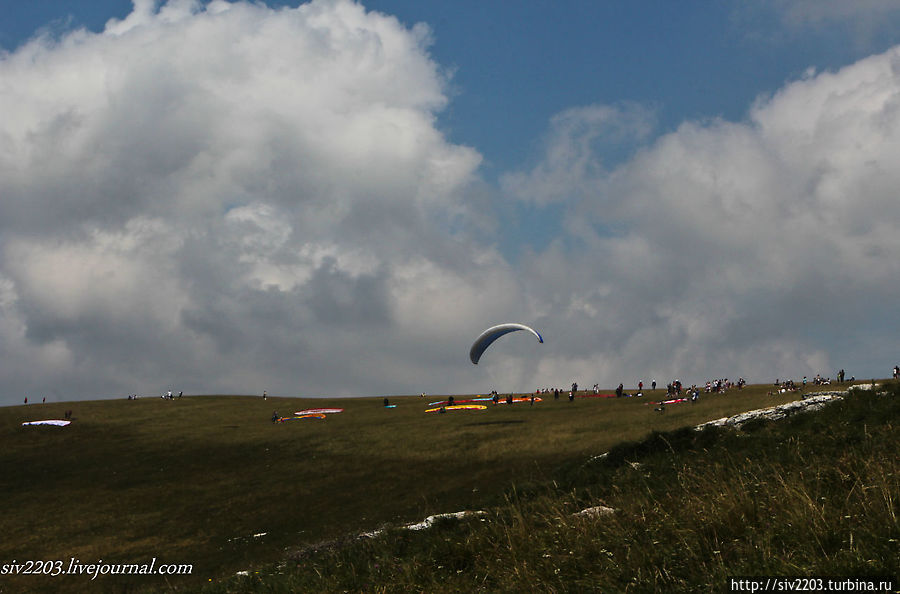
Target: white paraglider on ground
493, 333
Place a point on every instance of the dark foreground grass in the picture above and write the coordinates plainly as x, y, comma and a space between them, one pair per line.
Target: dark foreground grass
211, 482
816, 494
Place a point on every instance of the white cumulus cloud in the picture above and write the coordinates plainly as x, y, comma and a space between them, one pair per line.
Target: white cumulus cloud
226, 197
217, 195
763, 248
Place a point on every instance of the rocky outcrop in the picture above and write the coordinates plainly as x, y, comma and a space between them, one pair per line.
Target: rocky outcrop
428, 522
595, 512
774, 413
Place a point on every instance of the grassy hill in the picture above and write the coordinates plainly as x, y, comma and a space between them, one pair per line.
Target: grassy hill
212, 482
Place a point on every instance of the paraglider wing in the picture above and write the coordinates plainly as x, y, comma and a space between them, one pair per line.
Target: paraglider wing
493, 333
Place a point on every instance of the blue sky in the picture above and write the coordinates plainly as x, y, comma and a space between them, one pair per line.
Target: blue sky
514, 66
334, 198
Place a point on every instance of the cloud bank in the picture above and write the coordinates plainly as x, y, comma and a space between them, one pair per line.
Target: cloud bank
228, 197
231, 198
766, 248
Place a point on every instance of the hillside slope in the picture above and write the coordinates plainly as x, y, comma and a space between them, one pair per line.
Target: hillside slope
813, 494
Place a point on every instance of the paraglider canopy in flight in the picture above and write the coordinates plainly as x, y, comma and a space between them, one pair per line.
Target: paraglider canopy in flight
493, 333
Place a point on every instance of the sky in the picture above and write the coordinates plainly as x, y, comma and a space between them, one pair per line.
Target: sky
335, 198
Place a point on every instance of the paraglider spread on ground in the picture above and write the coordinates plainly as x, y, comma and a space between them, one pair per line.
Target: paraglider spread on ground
463, 401
56, 422
315, 411
518, 399
493, 333
309, 413
318, 416
453, 407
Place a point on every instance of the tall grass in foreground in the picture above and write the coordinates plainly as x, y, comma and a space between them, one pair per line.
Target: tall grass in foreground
815, 494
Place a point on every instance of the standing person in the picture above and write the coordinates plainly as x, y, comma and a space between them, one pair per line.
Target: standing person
641, 386
619, 390
653, 384
265, 396
274, 416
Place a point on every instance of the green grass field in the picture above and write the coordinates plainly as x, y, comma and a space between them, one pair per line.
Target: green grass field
194, 479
